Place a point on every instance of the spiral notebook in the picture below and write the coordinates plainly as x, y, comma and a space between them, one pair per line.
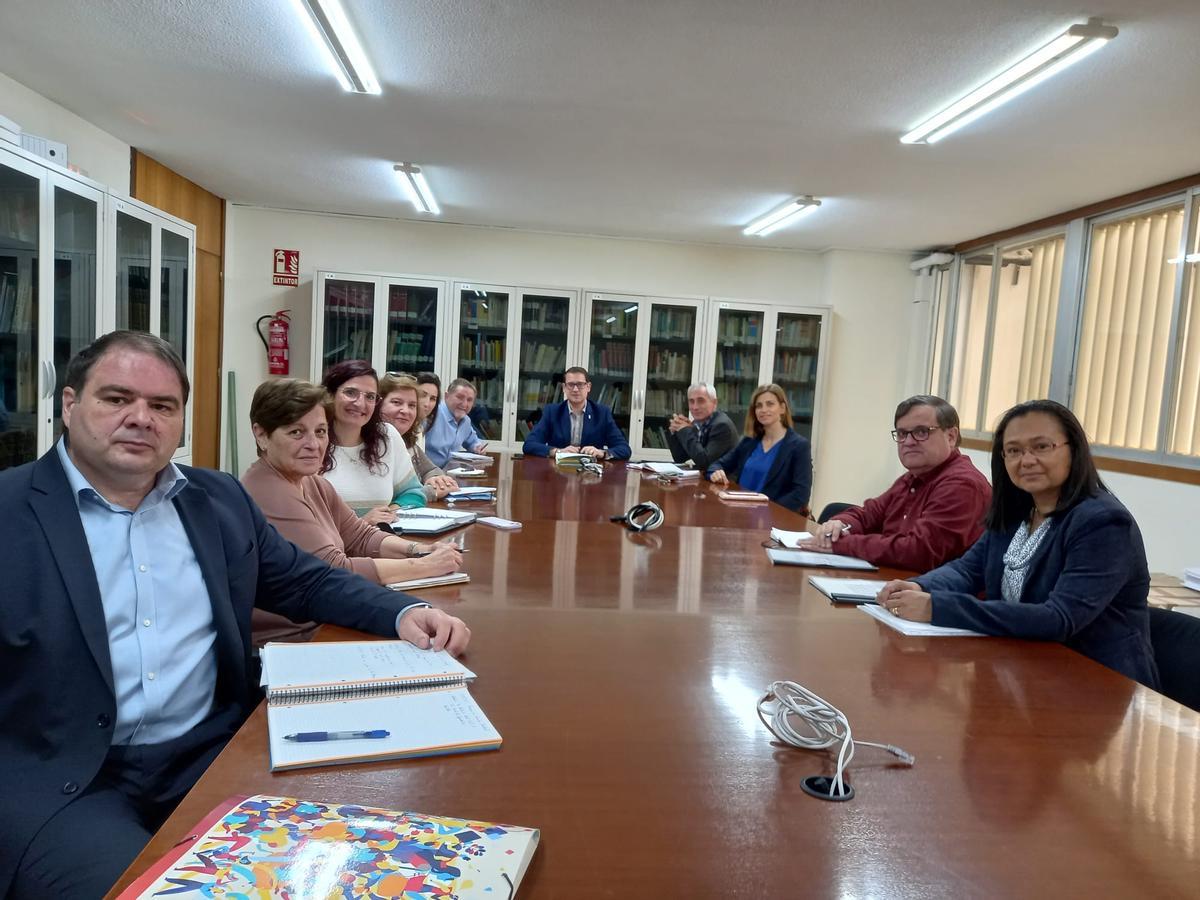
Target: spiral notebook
361, 701
280, 847
427, 520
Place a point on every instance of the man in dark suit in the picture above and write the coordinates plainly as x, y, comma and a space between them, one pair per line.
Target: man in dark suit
577, 425
707, 436
125, 625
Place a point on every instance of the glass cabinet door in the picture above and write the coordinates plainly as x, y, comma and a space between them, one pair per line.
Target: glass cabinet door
76, 250
483, 353
173, 292
20, 221
349, 311
412, 328
610, 365
738, 360
797, 343
133, 273
544, 330
670, 363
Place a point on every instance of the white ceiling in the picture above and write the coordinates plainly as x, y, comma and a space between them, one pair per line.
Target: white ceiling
669, 119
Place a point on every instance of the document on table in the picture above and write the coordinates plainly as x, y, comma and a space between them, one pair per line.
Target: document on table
821, 560
790, 539
915, 629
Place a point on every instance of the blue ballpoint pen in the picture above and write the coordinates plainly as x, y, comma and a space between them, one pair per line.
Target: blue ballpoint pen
336, 735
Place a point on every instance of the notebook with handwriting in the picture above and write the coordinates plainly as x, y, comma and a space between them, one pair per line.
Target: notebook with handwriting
430, 520
361, 701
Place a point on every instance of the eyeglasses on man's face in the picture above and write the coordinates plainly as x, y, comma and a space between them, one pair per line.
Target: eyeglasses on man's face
352, 394
575, 385
1038, 448
918, 434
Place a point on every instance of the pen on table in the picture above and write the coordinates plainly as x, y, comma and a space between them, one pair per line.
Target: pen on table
337, 735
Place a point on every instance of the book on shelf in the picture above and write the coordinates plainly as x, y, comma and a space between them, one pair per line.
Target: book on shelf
785, 557
414, 584
848, 590
361, 701
265, 846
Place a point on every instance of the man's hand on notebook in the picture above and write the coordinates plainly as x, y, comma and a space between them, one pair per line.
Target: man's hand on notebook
433, 629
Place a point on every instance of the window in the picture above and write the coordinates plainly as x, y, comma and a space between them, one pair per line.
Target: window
1185, 418
1005, 328
1125, 329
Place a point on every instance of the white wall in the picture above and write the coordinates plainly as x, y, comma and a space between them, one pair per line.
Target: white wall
870, 294
95, 152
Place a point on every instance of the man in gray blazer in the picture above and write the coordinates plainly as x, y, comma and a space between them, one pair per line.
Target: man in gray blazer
707, 436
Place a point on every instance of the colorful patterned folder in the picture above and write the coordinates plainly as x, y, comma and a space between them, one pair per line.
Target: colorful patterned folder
260, 847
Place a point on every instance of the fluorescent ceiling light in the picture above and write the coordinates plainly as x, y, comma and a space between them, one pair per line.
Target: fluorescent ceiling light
631, 309
331, 29
416, 188
785, 215
1074, 44
610, 319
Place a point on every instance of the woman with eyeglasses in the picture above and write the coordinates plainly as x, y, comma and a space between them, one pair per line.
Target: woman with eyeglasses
1061, 558
400, 406
291, 430
771, 458
367, 463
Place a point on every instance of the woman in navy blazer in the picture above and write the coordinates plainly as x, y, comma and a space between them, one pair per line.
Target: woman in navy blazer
1061, 558
771, 458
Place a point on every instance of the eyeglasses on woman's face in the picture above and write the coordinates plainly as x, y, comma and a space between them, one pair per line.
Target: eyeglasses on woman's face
918, 434
1039, 449
353, 394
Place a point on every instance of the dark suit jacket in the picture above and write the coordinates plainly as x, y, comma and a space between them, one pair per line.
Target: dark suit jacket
1086, 586
599, 430
56, 697
685, 443
789, 482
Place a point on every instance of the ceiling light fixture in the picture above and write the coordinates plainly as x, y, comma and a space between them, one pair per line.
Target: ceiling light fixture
1071, 46
331, 29
785, 215
416, 188
631, 309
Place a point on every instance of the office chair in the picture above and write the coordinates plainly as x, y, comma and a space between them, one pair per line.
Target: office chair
831, 510
1175, 638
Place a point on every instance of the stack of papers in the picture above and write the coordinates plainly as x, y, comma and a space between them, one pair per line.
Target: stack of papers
465, 472
744, 496
468, 456
848, 590
486, 494
670, 470
915, 629
790, 539
431, 581
1191, 578
821, 560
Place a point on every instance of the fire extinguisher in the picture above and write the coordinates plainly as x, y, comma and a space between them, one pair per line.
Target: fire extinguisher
276, 342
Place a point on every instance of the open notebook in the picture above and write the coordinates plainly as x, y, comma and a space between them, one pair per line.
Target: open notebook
358, 701
784, 557
430, 520
279, 847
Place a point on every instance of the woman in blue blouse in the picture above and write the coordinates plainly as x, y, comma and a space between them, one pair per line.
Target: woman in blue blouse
771, 458
1060, 560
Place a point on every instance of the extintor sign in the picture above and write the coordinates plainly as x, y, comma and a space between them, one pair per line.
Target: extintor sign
287, 267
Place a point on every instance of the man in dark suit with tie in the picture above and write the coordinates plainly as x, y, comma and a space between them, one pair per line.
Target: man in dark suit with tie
577, 424
125, 624
707, 436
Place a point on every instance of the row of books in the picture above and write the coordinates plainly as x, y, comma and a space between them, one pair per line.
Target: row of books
544, 316
612, 359
414, 345
673, 324
537, 392
740, 327
670, 364
480, 313
795, 366
422, 304
612, 396
666, 402
736, 364
478, 349
543, 357
16, 303
341, 343
795, 332
19, 216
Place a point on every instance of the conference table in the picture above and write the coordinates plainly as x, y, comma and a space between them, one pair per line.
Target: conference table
623, 671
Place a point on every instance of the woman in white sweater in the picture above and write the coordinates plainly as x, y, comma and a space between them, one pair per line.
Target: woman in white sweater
367, 462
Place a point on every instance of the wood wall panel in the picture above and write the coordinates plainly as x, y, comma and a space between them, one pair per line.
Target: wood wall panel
153, 183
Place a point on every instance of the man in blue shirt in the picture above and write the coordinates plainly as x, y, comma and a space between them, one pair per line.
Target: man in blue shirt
125, 626
452, 429
577, 425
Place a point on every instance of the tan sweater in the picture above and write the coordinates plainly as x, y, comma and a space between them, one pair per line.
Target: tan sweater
313, 517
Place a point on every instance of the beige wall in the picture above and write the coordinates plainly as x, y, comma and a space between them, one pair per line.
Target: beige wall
96, 153
869, 293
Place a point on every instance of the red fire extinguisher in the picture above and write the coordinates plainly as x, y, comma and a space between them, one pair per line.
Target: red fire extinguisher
276, 342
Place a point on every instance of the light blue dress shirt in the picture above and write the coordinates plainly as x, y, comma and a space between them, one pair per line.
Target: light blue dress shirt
160, 628
447, 435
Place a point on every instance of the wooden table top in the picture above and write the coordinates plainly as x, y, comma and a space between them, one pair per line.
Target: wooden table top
623, 672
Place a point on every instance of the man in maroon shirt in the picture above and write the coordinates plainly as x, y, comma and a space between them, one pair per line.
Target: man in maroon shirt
932, 513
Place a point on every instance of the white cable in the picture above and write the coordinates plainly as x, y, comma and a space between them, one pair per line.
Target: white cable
825, 726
